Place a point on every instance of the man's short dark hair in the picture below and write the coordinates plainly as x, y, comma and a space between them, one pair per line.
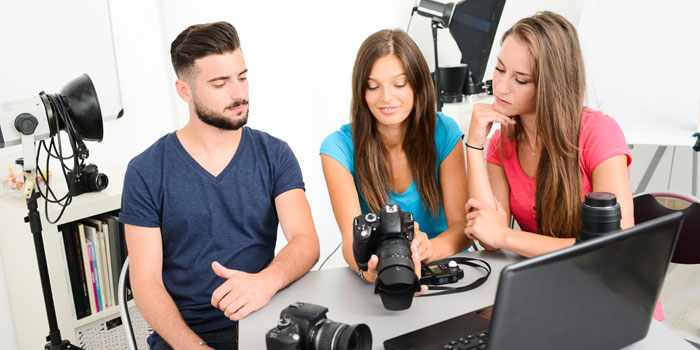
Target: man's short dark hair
201, 40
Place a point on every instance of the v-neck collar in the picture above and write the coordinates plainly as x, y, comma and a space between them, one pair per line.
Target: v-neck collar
198, 167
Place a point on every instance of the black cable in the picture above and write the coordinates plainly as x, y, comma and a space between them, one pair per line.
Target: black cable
55, 150
413, 12
329, 255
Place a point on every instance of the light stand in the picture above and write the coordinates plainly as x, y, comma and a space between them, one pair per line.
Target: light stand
435, 26
440, 15
34, 219
75, 110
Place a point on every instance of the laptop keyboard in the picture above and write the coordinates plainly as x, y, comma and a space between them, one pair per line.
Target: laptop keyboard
476, 341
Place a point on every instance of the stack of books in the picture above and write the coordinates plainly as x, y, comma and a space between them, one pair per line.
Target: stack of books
95, 251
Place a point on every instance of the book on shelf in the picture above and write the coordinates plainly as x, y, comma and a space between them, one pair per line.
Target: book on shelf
75, 286
95, 250
91, 236
124, 252
87, 265
90, 247
103, 266
115, 251
77, 244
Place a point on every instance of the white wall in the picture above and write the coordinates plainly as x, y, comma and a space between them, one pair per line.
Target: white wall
300, 69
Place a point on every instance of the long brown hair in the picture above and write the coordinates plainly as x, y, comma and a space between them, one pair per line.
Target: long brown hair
372, 163
560, 84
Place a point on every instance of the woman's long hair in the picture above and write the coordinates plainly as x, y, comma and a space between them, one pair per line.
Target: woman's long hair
372, 163
560, 84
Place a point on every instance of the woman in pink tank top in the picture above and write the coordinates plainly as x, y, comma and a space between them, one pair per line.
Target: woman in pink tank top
550, 151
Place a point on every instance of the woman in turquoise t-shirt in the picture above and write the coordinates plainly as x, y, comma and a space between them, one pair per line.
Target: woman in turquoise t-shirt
397, 150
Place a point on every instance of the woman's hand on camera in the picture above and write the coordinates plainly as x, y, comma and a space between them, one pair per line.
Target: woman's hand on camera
371, 274
416, 266
421, 244
486, 224
483, 117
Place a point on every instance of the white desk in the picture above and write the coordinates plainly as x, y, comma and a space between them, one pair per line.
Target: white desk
352, 301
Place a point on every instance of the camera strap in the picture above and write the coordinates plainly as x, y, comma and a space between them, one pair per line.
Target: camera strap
476, 263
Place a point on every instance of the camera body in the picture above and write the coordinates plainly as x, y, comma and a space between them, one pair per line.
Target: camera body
388, 235
87, 179
441, 273
371, 229
305, 326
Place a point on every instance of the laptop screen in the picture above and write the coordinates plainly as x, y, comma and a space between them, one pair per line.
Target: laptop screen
598, 294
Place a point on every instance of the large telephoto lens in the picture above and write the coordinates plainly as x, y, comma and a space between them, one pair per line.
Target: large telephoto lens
396, 280
329, 335
600, 215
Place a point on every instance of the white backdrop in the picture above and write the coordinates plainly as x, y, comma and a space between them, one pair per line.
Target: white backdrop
642, 67
300, 57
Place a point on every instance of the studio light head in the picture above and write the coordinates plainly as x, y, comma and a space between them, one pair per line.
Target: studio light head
75, 110
436, 11
473, 26
76, 104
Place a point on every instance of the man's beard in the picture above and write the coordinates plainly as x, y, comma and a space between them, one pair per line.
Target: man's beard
218, 120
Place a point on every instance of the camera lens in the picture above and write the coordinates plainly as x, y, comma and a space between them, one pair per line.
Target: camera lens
329, 335
600, 215
397, 281
98, 181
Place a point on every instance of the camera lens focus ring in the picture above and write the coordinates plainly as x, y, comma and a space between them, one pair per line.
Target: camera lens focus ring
330, 335
101, 182
327, 334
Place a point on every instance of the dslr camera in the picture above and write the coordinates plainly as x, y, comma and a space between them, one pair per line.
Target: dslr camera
86, 179
305, 326
388, 235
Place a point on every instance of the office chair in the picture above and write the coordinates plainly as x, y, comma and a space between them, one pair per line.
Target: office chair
647, 206
124, 308
135, 326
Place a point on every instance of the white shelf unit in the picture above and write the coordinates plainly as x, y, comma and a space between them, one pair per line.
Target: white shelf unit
22, 271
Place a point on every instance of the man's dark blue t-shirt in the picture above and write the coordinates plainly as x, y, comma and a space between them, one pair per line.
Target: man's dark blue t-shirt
230, 218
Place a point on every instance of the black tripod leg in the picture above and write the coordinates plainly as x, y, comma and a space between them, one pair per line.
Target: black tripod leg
34, 219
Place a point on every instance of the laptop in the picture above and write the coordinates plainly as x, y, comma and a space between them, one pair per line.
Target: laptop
599, 294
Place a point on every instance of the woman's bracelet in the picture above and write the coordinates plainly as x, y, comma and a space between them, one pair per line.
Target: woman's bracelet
359, 273
472, 147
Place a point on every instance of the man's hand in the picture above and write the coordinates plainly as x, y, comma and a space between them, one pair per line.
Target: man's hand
242, 293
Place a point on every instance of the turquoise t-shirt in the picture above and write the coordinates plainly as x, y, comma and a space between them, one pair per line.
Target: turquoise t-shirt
338, 146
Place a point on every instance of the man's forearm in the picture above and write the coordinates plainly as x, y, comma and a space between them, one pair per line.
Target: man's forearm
293, 261
159, 309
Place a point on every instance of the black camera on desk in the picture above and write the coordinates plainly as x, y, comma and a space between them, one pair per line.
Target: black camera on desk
305, 326
87, 179
388, 235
